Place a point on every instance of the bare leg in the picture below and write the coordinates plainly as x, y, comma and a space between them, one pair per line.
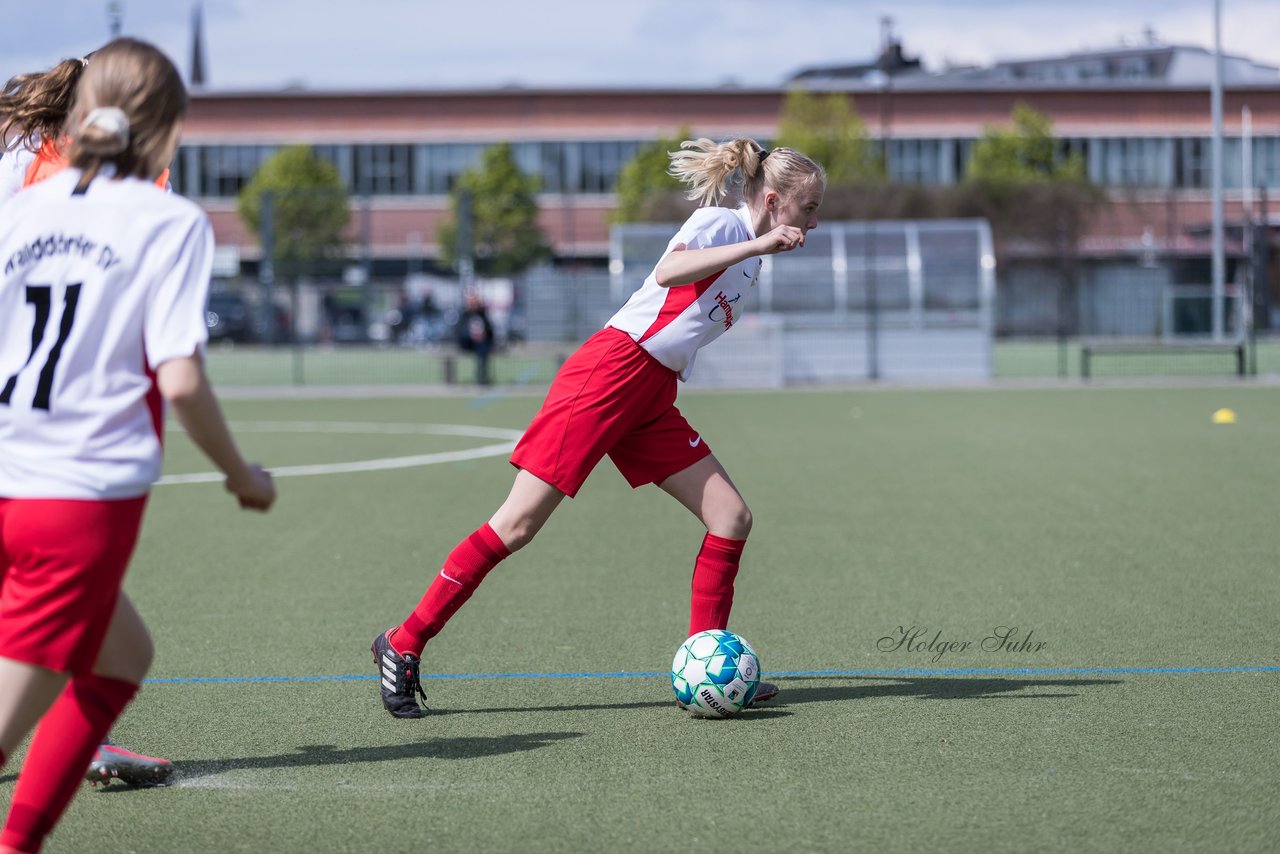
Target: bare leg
126, 656
705, 488
527, 508
127, 650
26, 693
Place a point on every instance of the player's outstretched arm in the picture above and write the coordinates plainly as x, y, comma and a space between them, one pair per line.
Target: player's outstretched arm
184, 385
683, 266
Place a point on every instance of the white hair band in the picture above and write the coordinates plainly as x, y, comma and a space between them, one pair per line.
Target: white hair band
110, 119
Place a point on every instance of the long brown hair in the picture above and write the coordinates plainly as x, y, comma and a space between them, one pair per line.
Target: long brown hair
132, 78
35, 106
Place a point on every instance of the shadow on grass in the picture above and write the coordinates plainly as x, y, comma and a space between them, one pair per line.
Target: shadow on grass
932, 688
833, 689
312, 755
857, 688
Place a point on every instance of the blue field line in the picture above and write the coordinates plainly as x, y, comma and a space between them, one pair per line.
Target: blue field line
639, 674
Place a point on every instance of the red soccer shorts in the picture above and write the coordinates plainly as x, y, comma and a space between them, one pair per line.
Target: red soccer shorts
610, 397
61, 566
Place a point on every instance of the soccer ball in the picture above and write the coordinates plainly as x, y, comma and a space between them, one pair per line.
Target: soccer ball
715, 674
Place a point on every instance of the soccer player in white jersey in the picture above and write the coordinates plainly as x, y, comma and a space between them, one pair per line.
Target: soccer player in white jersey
103, 280
616, 396
33, 116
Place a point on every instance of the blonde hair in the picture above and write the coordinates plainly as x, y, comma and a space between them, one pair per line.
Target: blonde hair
127, 105
740, 170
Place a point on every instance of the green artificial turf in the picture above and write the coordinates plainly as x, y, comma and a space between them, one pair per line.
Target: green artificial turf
1121, 529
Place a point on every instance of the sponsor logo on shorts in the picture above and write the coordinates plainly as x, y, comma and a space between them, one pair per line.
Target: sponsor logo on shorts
695, 441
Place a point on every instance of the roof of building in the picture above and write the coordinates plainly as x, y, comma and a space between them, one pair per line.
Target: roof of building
1152, 65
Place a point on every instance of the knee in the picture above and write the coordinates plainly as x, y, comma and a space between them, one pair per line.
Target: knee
128, 661
734, 522
516, 532
138, 663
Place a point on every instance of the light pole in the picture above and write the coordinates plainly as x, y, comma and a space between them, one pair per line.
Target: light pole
885, 62
1218, 261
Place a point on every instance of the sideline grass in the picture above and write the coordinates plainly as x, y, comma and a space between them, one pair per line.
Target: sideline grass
1119, 527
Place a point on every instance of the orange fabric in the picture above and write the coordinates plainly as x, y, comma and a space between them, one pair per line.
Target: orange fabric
50, 161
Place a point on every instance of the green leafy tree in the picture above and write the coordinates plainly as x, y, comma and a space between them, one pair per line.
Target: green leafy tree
505, 236
1026, 152
308, 209
826, 128
1033, 196
646, 191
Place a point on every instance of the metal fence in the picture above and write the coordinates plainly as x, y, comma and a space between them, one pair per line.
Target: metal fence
898, 301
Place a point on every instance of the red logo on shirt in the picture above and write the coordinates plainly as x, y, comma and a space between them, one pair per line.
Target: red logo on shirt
726, 305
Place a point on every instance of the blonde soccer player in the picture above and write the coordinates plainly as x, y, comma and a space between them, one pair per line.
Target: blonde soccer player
616, 396
103, 280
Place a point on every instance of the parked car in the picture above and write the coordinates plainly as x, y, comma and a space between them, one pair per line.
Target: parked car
228, 317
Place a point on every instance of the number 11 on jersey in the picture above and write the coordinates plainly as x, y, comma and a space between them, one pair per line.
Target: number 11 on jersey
40, 297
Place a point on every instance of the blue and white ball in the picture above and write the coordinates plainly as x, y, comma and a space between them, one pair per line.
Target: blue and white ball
715, 674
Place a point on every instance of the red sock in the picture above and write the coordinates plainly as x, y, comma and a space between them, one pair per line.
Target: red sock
463, 570
713, 574
60, 752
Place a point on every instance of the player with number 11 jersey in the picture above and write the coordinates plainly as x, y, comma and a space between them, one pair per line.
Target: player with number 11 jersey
93, 296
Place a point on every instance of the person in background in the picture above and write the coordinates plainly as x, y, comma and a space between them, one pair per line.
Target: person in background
475, 335
100, 327
616, 396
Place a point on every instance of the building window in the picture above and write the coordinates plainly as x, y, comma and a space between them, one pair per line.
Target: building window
383, 170
447, 161
1131, 162
601, 163
1193, 164
340, 157
1266, 162
915, 161
962, 154
217, 171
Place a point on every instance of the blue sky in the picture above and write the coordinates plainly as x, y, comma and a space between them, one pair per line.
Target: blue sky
322, 44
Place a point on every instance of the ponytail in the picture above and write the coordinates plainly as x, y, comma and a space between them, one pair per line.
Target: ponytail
716, 172
738, 170
34, 107
126, 111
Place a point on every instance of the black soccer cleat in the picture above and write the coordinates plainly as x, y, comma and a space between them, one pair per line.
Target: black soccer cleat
399, 679
113, 762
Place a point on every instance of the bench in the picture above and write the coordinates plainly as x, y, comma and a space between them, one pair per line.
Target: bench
1154, 346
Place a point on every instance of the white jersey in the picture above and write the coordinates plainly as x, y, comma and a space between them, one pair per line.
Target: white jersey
14, 163
96, 291
673, 323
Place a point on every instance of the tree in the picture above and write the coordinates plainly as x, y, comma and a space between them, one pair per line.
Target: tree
646, 191
308, 207
1033, 197
827, 129
1030, 192
502, 202
1025, 153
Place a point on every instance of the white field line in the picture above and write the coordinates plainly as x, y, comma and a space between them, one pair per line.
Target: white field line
505, 447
